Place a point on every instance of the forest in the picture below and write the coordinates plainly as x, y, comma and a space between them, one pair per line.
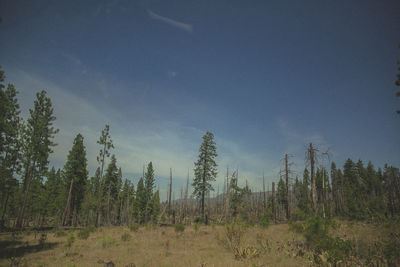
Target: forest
38, 197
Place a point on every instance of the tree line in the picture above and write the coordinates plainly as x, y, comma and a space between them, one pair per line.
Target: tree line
32, 194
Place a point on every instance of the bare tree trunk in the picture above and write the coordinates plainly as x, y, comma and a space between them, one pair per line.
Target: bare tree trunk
273, 202
313, 182
20, 218
287, 186
67, 211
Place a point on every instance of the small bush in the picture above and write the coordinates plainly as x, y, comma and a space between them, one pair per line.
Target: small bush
126, 237
107, 241
60, 234
391, 252
91, 229
42, 239
179, 228
134, 227
196, 227
265, 221
83, 234
234, 233
70, 240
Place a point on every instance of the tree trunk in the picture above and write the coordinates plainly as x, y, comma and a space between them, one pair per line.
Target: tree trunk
67, 211
20, 218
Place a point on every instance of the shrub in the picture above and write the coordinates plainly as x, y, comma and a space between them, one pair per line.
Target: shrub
83, 234
107, 241
42, 239
134, 227
126, 237
60, 233
265, 221
234, 233
91, 229
179, 228
391, 252
325, 247
70, 240
196, 227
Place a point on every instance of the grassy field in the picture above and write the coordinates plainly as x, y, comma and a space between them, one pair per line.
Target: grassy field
276, 245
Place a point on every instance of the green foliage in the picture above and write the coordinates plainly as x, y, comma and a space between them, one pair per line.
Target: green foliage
42, 239
75, 173
60, 233
126, 237
318, 239
205, 169
265, 221
234, 233
84, 234
70, 240
107, 241
179, 228
391, 251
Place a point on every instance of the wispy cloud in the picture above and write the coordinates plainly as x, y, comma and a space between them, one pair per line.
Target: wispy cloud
174, 23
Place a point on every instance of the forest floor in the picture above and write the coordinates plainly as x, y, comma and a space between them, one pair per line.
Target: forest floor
276, 245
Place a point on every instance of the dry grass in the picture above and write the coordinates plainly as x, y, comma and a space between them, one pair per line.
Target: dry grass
163, 247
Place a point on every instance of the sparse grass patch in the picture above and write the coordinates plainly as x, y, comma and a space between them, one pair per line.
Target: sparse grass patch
70, 240
134, 227
179, 228
126, 237
107, 241
60, 233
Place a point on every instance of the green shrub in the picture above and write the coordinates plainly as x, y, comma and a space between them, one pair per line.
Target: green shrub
42, 239
83, 234
326, 248
265, 221
126, 237
391, 252
91, 228
134, 227
179, 228
196, 227
234, 234
70, 240
60, 233
107, 241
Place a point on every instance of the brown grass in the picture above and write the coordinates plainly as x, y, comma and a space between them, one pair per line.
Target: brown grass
164, 247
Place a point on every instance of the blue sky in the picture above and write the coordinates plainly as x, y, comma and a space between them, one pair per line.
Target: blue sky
266, 77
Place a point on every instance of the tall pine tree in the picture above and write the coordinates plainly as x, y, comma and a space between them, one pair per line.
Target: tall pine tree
38, 146
205, 169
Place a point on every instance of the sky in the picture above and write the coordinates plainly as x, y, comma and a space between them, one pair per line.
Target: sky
265, 77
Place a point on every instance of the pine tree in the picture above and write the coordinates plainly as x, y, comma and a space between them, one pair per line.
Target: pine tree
111, 189
39, 134
149, 186
140, 202
75, 175
155, 207
54, 195
10, 144
205, 169
106, 144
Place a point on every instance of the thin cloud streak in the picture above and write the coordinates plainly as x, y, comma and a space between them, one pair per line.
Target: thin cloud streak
174, 23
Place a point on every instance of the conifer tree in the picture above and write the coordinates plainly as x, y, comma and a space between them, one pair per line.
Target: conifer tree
110, 189
75, 175
149, 186
140, 202
106, 144
10, 144
205, 169
155, 207
39, 134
